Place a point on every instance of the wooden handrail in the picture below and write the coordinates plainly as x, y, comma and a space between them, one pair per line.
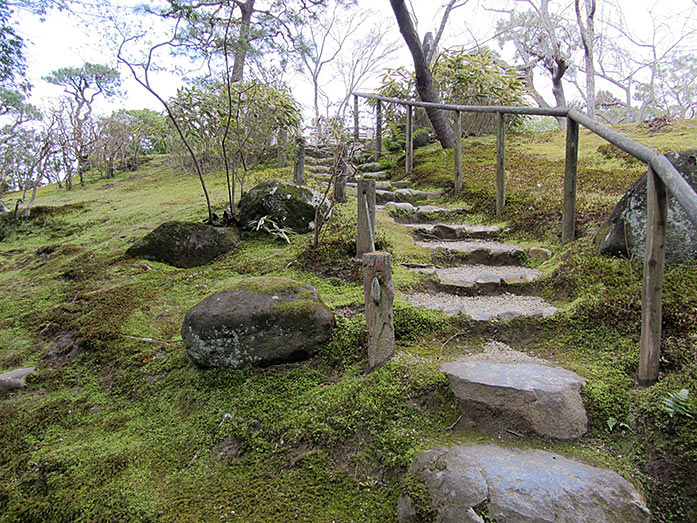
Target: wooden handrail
662, 178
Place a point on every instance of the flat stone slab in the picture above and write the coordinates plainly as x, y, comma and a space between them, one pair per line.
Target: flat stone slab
402, 206
370, 167
405, 195
502, 307
517, 485
475, 252
510, 274
452, 231
379, 175
525, 397
15, 379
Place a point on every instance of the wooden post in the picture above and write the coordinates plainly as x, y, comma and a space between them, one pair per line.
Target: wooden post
500, 162
378, 131
340, 179
458, 151
299, 170
281, 156
568, 231
652, 288
379, 291
356, 133
365, 241
410, 139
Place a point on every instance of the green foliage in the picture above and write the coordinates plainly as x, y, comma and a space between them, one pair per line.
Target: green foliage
679, 403
87, 81
12, 61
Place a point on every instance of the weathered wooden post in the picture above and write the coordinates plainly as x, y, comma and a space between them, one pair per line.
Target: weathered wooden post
365, 241
379, 293
340, 178
281, 156
500, 162
458, 151
568, 231
356, 133
299, 170
378, 131
652, 288
410, 139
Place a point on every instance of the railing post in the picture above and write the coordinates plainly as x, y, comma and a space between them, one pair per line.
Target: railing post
281, 156
366, 218
410, 139
299, 169
500, 162
458, 151
568, 231
652, 288
356, 134
378, 131
379, 291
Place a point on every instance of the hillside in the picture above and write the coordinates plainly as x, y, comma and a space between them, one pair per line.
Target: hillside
117, 423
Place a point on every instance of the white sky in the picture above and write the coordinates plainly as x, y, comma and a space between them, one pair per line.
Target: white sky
62, 41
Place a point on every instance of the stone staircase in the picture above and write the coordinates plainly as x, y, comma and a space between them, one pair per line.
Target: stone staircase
501, 391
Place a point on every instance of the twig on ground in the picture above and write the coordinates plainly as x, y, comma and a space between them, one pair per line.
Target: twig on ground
451, 427
153, 340
319, 373
451, 338
514, 433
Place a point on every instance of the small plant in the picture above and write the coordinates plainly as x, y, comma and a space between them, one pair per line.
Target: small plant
612, 423
679, 403
270, 226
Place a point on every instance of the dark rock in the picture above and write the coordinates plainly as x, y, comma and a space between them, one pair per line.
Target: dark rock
422, 137
184, 244
289, 206
531, 398
259, 322
520, 486
624, 231
15, 379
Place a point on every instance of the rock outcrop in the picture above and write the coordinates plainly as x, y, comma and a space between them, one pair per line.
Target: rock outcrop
15, 379
288, 206
259, 322
464, 482
624, 231
183, 244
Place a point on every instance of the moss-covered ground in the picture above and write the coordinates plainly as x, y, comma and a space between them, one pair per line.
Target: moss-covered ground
117, 424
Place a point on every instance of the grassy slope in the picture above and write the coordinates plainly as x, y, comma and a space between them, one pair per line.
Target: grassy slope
114, 426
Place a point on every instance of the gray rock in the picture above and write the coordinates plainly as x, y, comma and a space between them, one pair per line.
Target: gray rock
15, 379
259, 322
370, 167
624, 232
508, 315
534, 399
521, 486
404, 184
289, 206
183, 244
379, 175
540, 254
402, 206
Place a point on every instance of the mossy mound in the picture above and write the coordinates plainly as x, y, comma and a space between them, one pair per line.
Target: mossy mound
183, 244
259, 322
288, 206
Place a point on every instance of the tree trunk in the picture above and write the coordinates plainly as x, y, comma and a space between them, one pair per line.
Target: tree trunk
588, 37
424, 81
242, 46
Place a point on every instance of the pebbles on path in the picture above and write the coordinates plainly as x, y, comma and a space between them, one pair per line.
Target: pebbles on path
502, 307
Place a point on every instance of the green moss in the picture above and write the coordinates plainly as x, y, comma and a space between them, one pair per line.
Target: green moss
278, 286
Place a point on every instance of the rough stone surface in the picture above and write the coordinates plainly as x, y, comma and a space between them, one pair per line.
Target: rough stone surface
521, 486
402, 206
624, 232
405, 195
259, 322
15, 379
475, 252
481, 308
540, 254
535, 399
289, 206
184, 244
370, 167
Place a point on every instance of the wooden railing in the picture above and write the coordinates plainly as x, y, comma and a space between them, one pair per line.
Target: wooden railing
662, 179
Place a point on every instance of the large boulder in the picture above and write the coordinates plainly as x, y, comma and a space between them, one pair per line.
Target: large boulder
259, 322
184, 244
526, 397
288, 206
624, 231
513, 485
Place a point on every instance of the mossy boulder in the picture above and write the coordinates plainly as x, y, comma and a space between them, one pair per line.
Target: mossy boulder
624, 231
184, 244
289, 206
259, 322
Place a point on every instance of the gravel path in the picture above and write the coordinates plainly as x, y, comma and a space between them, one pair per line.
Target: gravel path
480, 307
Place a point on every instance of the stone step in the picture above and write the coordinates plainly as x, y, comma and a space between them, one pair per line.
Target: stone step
472, 280
380, 175
405, 212
405, 195
519, 485
370, 167
474, 252
527, 398
453, 231
502, 307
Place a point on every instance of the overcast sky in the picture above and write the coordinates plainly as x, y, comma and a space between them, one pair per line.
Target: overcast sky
62, 41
